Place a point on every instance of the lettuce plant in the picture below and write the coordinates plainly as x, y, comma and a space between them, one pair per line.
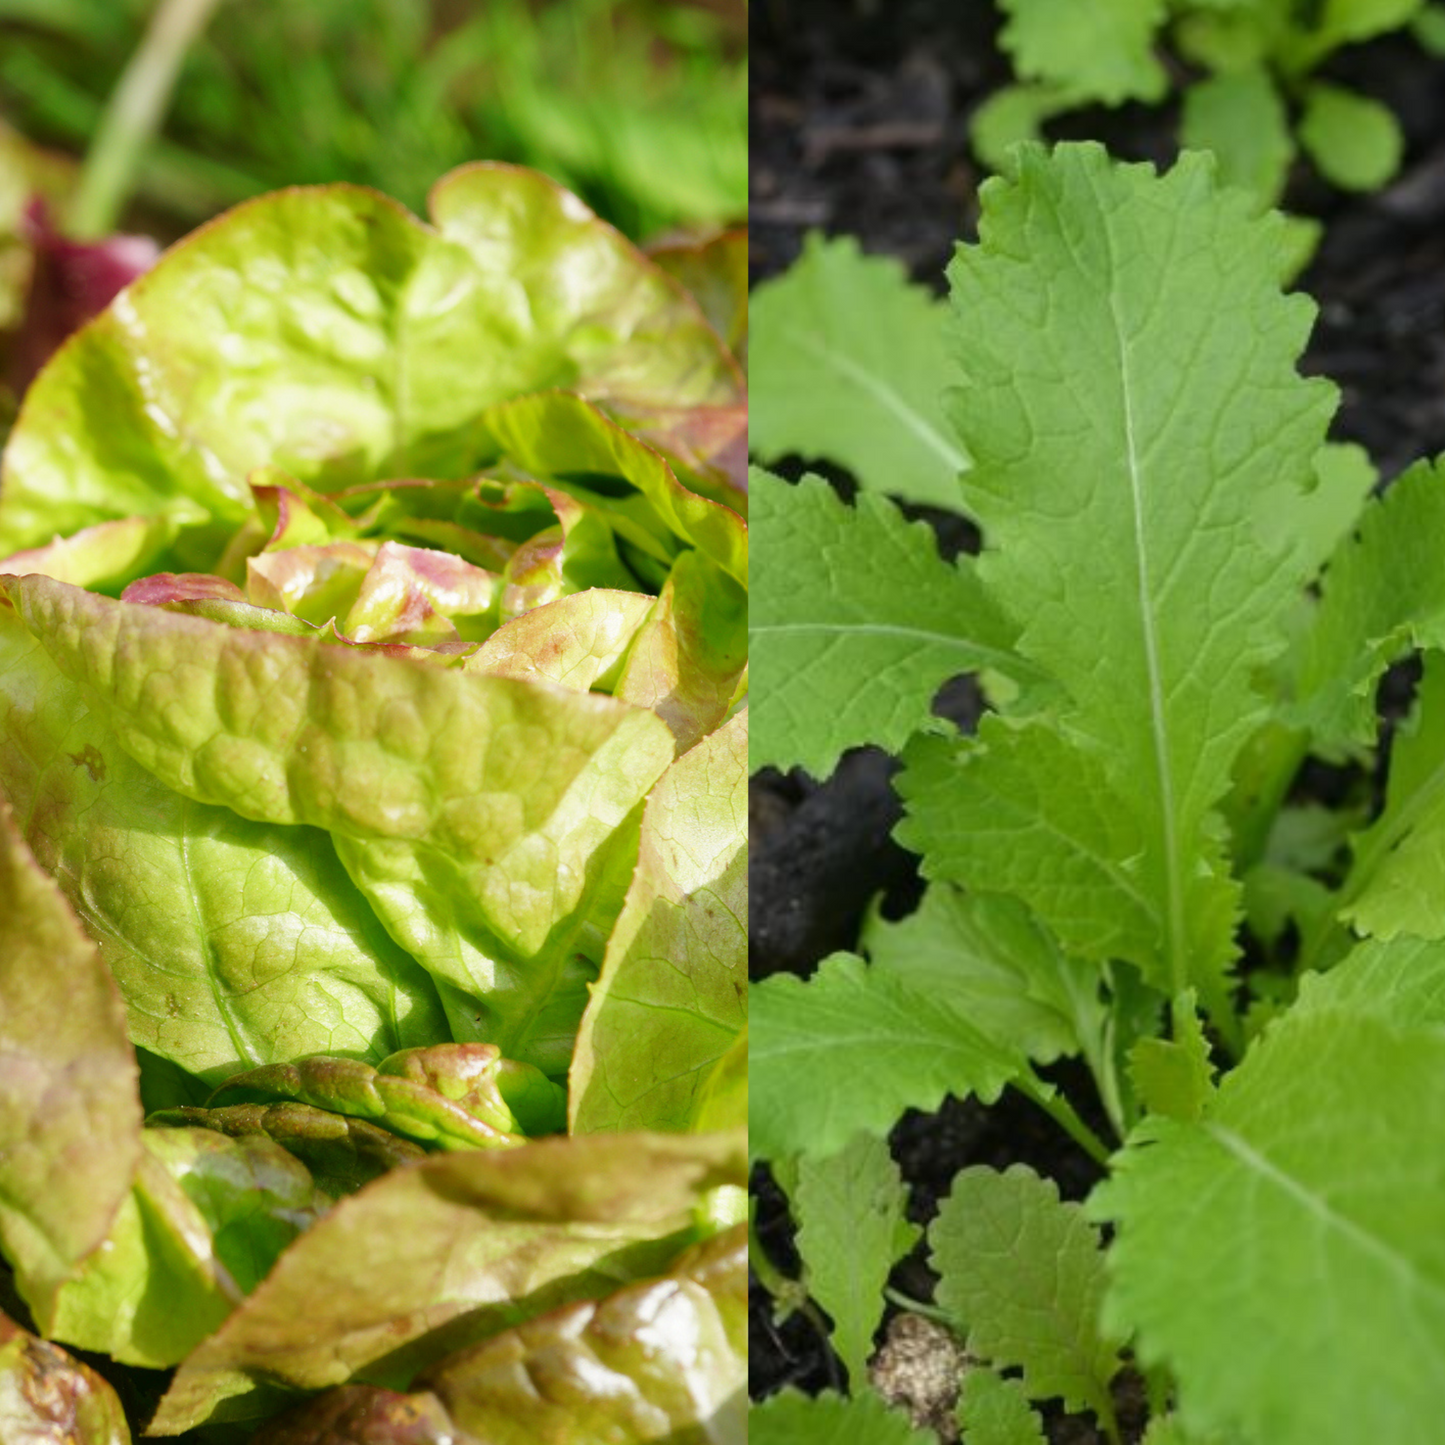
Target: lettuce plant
372, 734
1184, 593
1256, 103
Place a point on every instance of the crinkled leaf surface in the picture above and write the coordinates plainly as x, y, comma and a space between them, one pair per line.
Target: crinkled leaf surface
429, 1259
847, 363
850, 1049
234, 943
1135, 420
662, 1360
48, 1398
792, 1418
1022, 1273
852, 1229
69, 1110
480, 816
323, 330
1303, 1208
857, 622
672, 995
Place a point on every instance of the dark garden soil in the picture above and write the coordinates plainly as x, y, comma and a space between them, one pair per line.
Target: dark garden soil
859, 116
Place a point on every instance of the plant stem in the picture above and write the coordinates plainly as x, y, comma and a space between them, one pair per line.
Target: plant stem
1062, 1113
916, 1307
133, 115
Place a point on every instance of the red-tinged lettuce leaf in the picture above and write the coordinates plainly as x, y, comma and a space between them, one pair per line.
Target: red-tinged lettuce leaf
452, 1095
672, 996
578, 641
327, 331
420, 596
707, 446
103, 557
362, 1415
691, 651
431, 1259
714, 271
315, 582
234, 943
486, 820
574, 447
69, 1110
341, 1154
662, 1360
49, 1398
162, 589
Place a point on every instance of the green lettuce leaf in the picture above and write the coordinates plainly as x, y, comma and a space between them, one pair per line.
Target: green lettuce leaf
481, 817
319, 330
672, 994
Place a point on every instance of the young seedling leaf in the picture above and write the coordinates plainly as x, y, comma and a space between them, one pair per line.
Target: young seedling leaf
1240, 117
1356, 142
1022, 1276
791, 1418
847, 363
1103, 51
850, 1050
995, 1411
849, 1208
847, 593
1175, 1076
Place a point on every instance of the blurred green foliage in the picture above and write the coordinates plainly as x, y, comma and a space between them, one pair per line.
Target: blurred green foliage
638, 105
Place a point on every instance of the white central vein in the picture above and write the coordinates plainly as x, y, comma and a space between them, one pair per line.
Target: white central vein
1396, 1262
887, 398
1157, 721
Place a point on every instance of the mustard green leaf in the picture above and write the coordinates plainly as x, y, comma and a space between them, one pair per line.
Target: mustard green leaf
849, 1050
483, 818
852, 1229
664, 1359
1022, 1276
1175, 1076
431, 1259
995, 1411
1102, 50
321, 330
1382, 596
672, 995
234, 943
792, 1418
49, 1398
1132, 408
847, 594
847, 364
69, 1110
1011, 116
1301, 1209
1355, 141
991, 961
1398, 869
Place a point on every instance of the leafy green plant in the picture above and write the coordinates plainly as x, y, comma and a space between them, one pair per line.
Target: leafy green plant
1258, 101
1184, 593
372, 735
639, 108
